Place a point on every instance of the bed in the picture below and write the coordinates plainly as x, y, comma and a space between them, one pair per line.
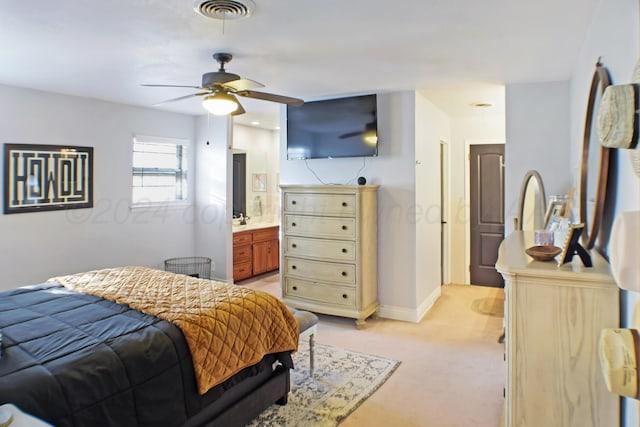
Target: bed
77, 356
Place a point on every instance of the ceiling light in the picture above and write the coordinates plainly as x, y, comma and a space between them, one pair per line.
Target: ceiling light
370, 137
220, 103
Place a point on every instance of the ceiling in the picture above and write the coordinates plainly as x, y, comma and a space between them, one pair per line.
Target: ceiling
456, 52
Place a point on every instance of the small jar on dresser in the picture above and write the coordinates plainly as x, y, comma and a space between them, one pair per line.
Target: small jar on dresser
329, 249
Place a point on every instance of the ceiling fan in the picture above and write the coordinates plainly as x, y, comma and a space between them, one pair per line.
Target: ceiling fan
220, 87
369, 129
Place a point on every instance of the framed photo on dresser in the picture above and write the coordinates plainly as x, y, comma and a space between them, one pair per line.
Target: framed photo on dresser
572, 247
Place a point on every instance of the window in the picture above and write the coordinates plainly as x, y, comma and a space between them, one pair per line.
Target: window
159, 170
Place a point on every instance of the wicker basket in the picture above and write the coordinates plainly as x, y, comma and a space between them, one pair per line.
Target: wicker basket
194, 266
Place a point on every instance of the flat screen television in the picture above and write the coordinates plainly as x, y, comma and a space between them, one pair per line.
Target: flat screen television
341, 127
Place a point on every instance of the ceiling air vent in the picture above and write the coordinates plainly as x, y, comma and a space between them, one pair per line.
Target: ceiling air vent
224, 9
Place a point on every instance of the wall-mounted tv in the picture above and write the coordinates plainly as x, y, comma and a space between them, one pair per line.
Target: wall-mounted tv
341, 127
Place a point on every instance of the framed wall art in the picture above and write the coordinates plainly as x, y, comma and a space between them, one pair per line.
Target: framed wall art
259, 182
47, 177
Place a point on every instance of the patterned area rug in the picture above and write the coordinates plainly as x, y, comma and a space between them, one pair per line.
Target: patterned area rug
342, 380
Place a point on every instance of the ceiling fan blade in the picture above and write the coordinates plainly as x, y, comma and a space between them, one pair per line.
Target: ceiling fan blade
191, 87
271, 97
350, 134
242, 84
180, 98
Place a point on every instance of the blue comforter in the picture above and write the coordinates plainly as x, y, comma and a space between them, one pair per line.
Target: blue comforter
78, 360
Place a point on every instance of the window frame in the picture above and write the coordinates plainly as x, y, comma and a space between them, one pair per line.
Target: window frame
184, 143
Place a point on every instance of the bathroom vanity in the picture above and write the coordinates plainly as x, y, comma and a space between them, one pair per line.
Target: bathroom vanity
256, 249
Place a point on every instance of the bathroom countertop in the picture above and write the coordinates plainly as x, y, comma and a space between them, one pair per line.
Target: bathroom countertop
251, 225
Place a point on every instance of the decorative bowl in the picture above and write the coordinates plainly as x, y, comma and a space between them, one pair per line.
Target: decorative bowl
543, 253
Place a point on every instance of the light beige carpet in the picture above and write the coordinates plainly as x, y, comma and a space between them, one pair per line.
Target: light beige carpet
452, 371
492, 306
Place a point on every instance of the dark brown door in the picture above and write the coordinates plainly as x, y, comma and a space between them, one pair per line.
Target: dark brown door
487, 212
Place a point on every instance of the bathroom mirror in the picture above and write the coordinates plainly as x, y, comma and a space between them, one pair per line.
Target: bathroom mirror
594, 169
250, 182
259, 182
532, 203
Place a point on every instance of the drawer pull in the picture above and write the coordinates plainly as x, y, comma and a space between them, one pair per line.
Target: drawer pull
295, 288
293, 267
344, 250
344, 204
344, 274
345, 296
344, 227
293, 202
293, 224
293, 245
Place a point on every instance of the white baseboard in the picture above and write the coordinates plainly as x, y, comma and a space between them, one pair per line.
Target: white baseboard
407, 314
426, 305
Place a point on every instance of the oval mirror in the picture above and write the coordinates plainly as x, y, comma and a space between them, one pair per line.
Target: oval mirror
532, 203
594, 169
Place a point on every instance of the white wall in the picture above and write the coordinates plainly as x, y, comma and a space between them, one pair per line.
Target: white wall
614, 35
432, 126
538, 139
214, 201
39, 245
394, 170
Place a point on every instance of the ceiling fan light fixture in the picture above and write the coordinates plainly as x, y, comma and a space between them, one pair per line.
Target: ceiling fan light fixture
220, 103
370, 137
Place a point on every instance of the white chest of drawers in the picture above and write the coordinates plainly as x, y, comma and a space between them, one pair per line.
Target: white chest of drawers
329, 249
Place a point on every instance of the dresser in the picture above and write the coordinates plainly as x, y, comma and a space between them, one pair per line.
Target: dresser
255, 251
553, 318
329, 249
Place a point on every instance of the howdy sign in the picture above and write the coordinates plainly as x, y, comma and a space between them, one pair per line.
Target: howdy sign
47, 177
